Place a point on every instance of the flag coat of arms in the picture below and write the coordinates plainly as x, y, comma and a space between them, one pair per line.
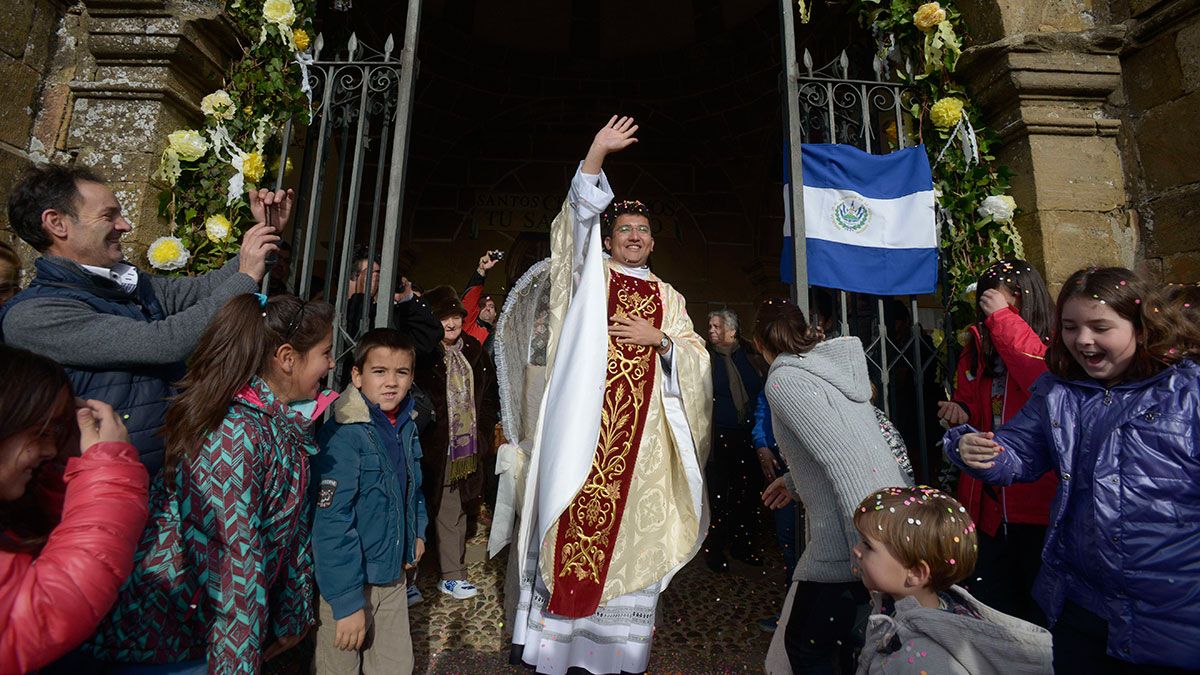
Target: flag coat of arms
869, 220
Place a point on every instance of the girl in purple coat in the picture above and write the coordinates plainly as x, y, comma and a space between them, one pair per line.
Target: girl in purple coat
1118, 418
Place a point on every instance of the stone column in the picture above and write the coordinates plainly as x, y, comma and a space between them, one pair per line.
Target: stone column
1043, 83
139, 73
29, 31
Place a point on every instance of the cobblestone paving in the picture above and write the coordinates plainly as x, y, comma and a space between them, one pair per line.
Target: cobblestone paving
708, 622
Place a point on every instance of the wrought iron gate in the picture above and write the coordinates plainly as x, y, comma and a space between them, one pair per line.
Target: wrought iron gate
351, 185
826, 105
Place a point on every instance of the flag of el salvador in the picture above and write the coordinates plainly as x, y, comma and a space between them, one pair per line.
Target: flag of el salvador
869, 220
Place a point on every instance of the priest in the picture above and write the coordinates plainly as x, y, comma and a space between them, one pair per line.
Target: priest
614, 496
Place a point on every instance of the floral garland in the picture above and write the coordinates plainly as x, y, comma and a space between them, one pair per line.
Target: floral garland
975, 213
207, 171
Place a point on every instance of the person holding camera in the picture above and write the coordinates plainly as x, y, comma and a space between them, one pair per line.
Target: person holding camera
480, 306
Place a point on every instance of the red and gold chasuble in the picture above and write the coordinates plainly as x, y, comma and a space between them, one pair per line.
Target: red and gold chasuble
587, 530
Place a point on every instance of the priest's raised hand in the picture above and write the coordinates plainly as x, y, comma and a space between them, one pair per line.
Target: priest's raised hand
615, 136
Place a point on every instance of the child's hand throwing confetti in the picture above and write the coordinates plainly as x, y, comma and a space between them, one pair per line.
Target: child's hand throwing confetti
978, 450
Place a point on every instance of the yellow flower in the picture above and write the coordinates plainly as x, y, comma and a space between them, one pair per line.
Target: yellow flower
946, 112
279, 12
928, 16
248, 110
218, 105
300, 39
168, 253
253, 166
217, 228
189, 145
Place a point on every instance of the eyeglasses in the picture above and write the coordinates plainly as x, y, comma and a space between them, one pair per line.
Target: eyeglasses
626, 229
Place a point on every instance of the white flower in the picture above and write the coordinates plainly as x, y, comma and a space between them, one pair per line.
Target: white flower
168, 253
217, 228
999, 207
188, 144
218, 105
279, 12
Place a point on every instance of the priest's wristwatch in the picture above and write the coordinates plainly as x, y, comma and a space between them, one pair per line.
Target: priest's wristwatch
664, 344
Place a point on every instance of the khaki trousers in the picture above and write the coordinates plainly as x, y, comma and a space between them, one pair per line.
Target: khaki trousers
388, 645
451, 524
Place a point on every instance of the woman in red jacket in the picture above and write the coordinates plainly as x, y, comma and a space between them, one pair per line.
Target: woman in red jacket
77, 517
1003, 358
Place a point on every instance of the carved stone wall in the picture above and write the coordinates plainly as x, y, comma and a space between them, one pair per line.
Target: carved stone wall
30, 33
1160, 136
1045, 82
120, 75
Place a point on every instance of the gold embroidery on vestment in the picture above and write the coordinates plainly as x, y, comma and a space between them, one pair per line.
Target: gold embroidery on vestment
595, 507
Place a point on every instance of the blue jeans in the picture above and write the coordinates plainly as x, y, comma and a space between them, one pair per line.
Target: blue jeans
786, 521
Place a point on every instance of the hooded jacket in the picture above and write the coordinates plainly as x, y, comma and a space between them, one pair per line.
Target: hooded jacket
1024, 357
224, 566
50, 602
916, 639
366, 523
827, 431
1138, 566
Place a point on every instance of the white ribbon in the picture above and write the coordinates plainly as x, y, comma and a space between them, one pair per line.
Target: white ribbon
227, 150
965, 134
304, 60
970, 144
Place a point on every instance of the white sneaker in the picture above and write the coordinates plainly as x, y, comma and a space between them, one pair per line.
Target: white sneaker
460, 589
414, 596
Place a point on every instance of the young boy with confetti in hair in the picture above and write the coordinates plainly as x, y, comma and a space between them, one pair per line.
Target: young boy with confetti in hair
915, 545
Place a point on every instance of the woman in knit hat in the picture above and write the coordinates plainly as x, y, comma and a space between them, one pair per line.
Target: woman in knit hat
461, 380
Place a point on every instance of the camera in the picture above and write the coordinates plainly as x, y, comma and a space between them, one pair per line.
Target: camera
496, 255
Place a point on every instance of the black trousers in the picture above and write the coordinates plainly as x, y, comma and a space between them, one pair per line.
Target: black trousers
826, 628
1081, 646
1008, 564
733, 487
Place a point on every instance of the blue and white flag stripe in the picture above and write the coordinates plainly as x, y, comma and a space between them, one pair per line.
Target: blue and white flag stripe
893, 223
896, 174
878, 271
869, 220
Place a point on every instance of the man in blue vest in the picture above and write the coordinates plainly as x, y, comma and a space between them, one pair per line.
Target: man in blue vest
121, 333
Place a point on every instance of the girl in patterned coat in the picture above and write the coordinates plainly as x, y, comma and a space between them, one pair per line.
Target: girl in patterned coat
222, 579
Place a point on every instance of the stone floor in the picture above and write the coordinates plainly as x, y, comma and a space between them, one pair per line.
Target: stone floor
707, 621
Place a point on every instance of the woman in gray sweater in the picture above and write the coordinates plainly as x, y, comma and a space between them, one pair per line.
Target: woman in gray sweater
820, 399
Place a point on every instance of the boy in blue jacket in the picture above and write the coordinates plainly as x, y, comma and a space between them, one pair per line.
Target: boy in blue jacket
369, 522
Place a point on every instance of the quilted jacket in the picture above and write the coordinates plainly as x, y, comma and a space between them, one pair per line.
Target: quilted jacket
1023, 353
1140, 442
224, 567
52, 601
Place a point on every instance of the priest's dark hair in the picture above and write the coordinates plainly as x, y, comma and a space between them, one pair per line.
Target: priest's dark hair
617, 209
